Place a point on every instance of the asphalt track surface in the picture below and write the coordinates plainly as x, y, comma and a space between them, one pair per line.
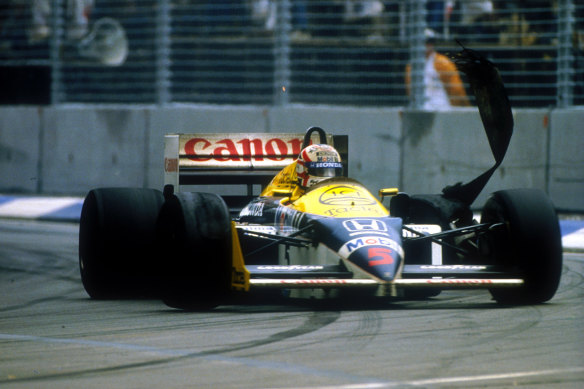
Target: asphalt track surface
53, 336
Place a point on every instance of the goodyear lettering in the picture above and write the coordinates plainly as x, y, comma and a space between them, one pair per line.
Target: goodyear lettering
291, 267
224, 150
453, 267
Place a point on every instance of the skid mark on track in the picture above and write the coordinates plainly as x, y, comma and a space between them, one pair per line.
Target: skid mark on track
572, 280
367, 328
314, 322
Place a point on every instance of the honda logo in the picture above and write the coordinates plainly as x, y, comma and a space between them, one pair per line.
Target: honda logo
364, 226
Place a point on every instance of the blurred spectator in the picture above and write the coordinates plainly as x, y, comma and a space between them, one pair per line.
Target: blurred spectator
77, 13
443, 87
41, 13
263, 13
527, 23
540, 18
476, 21
364, 18
300, 19
435, 15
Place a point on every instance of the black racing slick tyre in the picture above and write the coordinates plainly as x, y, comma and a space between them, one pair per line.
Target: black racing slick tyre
117, 232
530, 243
194, 232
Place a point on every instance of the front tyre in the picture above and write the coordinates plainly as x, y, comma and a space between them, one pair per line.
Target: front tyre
530, 242
194, 232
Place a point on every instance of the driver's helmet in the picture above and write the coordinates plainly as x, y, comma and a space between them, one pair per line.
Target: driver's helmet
316, 163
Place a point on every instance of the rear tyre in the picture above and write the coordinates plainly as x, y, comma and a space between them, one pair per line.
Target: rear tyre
117, 242
194, 230
531, 243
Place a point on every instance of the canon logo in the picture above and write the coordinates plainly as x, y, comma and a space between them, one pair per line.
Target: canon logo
224, 150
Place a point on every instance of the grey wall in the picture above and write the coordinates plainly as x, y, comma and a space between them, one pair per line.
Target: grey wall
71, 149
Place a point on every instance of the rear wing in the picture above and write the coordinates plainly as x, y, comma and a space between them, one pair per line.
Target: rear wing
235, 158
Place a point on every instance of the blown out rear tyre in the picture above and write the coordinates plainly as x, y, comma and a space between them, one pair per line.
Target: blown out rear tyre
531, 244
195, 231
117, 249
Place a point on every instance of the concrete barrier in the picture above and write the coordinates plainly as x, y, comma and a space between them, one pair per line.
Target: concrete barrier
71, 149
20, 151
443, 148
566, 159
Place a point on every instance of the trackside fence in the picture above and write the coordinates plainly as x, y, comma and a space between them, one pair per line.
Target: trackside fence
279, 52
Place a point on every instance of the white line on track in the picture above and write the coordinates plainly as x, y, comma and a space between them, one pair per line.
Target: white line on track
493, 377
378, 384
35, 207
450, 380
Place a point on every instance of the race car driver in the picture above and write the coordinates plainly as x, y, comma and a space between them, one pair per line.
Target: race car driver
314, 164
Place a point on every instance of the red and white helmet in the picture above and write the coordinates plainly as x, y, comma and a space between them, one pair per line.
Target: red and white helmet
317, 163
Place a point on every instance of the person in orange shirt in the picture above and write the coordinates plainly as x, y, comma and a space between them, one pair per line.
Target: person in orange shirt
443, 87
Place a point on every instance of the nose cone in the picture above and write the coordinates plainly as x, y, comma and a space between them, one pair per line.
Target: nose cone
374, 245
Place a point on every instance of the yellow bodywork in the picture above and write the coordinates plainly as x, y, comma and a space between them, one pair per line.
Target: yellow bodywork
343, 197
340, 197
239, 274
284, 184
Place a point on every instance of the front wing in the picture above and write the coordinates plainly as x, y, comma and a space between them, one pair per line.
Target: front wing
257, 277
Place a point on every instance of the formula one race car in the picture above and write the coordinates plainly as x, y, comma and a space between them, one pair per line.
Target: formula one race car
312, 231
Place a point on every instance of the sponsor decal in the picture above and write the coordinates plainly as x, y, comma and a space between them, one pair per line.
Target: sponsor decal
349, 247
345, 195
453, 267
364, 226
422, 228
314, 282
341, 211
171, 165
324, 164
264, 229
453, 281
290, 267
225, 150
254, 209
237, 277
288, 217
